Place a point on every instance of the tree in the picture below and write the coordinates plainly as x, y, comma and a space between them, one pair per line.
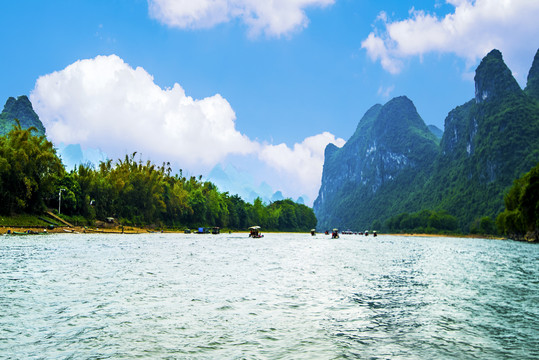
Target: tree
29, 171
521, 214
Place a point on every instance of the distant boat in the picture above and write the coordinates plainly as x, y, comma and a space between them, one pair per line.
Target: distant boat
335, 234
255, 232
313, 232
27, 232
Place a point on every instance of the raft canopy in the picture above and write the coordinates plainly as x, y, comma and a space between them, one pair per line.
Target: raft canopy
256, 227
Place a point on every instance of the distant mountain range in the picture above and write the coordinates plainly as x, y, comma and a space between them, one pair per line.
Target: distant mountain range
436, 131
234, 181
394, 163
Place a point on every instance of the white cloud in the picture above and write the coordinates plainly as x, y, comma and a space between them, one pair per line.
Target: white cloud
104, 103
386, 91
302, 164
470, 32
274, 18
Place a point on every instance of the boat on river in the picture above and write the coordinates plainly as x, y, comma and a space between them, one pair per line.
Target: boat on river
27, 232
254, 232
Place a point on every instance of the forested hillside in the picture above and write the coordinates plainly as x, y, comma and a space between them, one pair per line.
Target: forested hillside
391, 149
487, 143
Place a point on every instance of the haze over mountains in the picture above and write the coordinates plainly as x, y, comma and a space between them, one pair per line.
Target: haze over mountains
393, 163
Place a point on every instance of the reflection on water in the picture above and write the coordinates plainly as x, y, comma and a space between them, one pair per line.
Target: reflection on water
283, 296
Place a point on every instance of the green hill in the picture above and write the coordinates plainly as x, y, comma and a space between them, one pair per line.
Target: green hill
487, 143
20, 109
391, 148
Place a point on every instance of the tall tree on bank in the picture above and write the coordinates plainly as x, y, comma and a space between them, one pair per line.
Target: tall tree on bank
29, 171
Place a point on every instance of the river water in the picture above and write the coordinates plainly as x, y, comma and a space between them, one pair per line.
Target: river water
286, 296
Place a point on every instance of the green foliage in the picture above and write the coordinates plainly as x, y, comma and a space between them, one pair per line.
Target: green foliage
31, 176
392, 149
484, 226
22, 220
532, 86
425, 221
521, 214
19, 111
29, 171
487, 143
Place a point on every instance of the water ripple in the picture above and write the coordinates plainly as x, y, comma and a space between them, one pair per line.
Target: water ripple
284, 296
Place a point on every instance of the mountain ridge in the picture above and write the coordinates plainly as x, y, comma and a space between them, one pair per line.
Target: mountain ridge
375, 156
487, 143
22, 110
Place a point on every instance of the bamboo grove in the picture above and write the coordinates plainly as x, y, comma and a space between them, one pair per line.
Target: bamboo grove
135, 193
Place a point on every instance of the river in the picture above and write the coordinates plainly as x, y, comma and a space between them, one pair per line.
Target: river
285, 296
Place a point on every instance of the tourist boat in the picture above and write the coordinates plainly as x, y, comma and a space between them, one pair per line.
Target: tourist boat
313, 232
203, 230
215, 230
254, 232
335, 234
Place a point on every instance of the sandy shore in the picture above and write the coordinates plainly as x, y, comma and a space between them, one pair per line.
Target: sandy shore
74, 230
134, 230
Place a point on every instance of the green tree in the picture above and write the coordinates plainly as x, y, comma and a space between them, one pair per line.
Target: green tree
29, 171
521, 214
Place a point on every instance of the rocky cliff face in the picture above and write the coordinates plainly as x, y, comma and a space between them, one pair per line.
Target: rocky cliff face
392, 163
532, 87
389, 139
493, 79
21, 109
485, 135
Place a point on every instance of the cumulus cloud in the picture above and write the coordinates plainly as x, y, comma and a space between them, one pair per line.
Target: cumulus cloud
471, 31
273, 18
303, 163
105, 103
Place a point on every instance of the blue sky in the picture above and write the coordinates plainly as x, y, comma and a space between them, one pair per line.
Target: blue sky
244, 83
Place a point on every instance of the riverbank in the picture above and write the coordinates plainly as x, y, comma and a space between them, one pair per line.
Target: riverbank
47, 224
66, 229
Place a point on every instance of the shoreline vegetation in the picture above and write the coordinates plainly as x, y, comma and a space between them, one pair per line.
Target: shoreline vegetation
128, 192
38, 225
143, 197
